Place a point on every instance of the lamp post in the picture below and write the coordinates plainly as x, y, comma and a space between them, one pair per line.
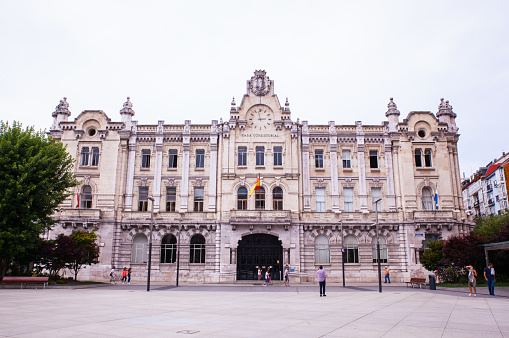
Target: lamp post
342, 253
150, 242
378, 248
178, 254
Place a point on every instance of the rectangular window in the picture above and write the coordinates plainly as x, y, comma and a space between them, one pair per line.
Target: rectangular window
143, 199
346, 159
242, 156
200, 158
145, 158
171, 198
278, 156
348, 196
418, 158
373, 159
95, 157
427, 157
320, 199
318, 158
173, 157
376, 193
84, 156
260, 153
198, 199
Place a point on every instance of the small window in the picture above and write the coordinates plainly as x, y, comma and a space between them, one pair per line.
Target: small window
200, 158
418, 158
171, 198
427, 199
143, 199
260, 156
242, 198
322, 250
198, 199
346, 159
351, 246
320, 199
86, 197
145, 158
373, 159
278, 156
91, 132
84, 156
260, 199
139, 249
169, 249
173, 158
421, 133
197, 249
242, 156
383, 250
277, 198
95, 157
348, 197
376, 193
427, 157
318, 158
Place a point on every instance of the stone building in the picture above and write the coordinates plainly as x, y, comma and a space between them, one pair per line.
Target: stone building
321, 189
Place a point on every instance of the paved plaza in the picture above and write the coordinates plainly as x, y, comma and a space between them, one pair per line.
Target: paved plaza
252, 311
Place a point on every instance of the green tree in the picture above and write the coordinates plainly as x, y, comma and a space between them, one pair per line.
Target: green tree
433, 255
35, 174
86, 251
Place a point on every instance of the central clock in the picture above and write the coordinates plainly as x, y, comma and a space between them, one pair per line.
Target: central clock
260, 117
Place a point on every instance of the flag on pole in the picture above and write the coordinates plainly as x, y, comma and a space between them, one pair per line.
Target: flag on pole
256, 186
436, 199
77, 199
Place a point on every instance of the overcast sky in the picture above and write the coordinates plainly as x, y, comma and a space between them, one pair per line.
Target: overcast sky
334, 60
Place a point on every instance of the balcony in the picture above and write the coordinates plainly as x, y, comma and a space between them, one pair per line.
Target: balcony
489, 187
491, 202
80, 213
260, 217
432, 214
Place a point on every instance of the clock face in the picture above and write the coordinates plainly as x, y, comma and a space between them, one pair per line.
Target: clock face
260, 117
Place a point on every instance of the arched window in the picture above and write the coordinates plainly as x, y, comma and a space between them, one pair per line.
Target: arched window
351, 245
86, 197
169, 249
322, 250
260, 199
139, 249
427, 200
277, 198
197, 249
242, 198
383, 249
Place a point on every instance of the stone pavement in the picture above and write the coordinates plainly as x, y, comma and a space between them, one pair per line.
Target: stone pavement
252, 311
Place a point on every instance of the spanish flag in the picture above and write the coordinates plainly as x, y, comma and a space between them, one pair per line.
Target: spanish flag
256, 186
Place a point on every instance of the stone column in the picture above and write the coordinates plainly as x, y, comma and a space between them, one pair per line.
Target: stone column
130, 169
333, 142
213, 167
306, 181
156, 186
184, 191
363, 197
391, 197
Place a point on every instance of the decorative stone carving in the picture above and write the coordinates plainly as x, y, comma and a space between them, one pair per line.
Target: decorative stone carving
320, 183
260, 83
86, 180
62, 108
143, 182
393, 109
171, 182
128, 107
199, 182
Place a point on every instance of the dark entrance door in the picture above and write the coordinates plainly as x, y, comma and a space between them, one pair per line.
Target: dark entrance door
259, 250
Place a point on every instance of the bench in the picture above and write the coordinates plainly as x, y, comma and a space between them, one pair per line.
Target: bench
416, 281
25, 280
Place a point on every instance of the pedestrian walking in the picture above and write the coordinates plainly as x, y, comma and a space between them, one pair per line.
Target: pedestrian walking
259, 273
287, 276
489, 275
387, 275
112, 275
322, 275
267, 277
124, 276
472, 274
129, 276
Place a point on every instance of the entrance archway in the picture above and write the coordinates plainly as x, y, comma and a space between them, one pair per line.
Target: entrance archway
259, 250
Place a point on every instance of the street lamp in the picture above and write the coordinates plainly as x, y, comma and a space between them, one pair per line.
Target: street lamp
342, 253
378, 247
178, 254
150, 242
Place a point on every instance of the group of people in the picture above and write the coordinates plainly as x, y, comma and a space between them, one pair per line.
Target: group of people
126, 276
268, 278
489, 275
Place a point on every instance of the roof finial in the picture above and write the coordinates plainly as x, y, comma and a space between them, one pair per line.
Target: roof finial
62, 108
393, 109
128, 107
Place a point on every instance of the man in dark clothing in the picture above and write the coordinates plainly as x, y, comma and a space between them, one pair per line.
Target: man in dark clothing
489, 275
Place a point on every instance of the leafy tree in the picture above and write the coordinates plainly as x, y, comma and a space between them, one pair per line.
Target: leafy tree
430, 258
490, 226
86, 251
35, 174
463, 251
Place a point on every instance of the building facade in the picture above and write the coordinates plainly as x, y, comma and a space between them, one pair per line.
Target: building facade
321, 189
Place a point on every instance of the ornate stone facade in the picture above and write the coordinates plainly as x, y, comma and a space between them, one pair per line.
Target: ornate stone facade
319, 184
